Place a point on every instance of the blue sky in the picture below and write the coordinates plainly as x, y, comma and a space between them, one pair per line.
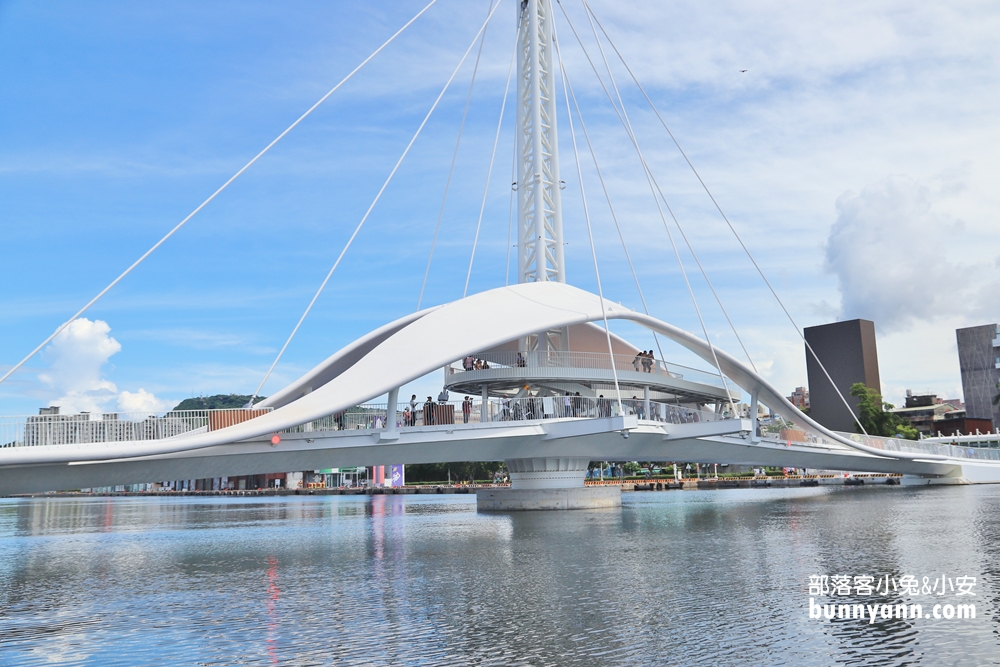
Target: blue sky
857, 156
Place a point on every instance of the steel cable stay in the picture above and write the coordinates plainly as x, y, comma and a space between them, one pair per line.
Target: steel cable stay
666, 226
732, 228
219, 191
451, 169
378, 196
624, 117
510, 210
586, 215
614, 216
489, 173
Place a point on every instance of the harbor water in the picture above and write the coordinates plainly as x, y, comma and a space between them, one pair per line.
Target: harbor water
680, 577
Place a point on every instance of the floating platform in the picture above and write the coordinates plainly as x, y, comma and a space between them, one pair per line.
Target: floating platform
516, 500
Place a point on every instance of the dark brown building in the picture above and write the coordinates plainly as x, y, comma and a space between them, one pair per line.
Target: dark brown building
979, 361
847, 350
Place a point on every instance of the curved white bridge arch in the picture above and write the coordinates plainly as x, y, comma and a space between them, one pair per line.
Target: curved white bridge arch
420, 343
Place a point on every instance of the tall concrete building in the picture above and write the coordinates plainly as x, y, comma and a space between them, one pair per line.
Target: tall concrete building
979, 360
847, 350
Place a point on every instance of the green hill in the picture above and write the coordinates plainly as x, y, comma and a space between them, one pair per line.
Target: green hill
217, 402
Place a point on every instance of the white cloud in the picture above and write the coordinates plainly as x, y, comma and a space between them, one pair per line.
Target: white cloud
890, 251
76, 359
141, 401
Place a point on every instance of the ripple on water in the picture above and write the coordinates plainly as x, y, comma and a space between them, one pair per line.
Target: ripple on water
699, 577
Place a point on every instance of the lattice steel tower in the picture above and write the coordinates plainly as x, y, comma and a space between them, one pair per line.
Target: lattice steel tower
539, 209
539, 206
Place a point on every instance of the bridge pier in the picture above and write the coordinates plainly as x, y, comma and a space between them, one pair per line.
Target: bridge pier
547, 484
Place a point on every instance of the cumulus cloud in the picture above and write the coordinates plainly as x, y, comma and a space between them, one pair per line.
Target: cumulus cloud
141, 401
76, 359
889, 250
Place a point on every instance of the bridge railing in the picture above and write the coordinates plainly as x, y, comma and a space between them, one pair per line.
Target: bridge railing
584, 360
923, 447
83, 428
791, 435
373, 416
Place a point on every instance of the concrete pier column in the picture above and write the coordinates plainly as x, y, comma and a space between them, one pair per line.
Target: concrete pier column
484, 407
548, 473
548, 483
645, 402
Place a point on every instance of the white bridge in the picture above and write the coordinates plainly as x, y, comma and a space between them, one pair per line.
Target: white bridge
544, 445
553, 388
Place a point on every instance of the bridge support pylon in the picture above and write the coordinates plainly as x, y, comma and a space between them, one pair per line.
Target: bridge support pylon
554, 483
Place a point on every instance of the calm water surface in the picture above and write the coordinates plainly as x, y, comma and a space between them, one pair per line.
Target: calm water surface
681, 577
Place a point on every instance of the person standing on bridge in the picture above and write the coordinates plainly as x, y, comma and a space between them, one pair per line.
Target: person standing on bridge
603, 407
647, 362
429, 411
413, 410
466, 409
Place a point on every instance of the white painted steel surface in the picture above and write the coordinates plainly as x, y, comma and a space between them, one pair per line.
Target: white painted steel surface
428, 342
539, 200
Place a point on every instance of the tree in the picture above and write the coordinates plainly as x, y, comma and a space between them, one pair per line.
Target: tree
217, 402
875, 416
996, 399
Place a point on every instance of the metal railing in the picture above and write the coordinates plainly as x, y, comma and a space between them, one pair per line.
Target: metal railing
83, 428
59, 429
373, 416
583, 360
923, 447
791, 435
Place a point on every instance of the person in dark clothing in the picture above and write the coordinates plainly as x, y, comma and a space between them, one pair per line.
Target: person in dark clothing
428, 411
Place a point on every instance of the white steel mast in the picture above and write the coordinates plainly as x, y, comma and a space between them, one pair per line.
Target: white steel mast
539, 209
540, 244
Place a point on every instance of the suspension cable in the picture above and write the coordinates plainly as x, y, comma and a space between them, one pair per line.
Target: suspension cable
372, 206
489, 173
451, 169
732, 228
652, 187
213, 196
607, 196
586, 215
687, 242
510, 210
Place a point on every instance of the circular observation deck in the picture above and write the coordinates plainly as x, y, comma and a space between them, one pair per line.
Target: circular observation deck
555, 373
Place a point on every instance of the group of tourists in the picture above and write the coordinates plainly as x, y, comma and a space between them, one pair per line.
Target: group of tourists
643, 361
471, 363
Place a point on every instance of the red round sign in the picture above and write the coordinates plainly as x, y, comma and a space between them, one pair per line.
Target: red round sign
275, 439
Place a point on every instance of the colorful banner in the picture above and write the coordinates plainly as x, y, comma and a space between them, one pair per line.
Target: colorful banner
398, 477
